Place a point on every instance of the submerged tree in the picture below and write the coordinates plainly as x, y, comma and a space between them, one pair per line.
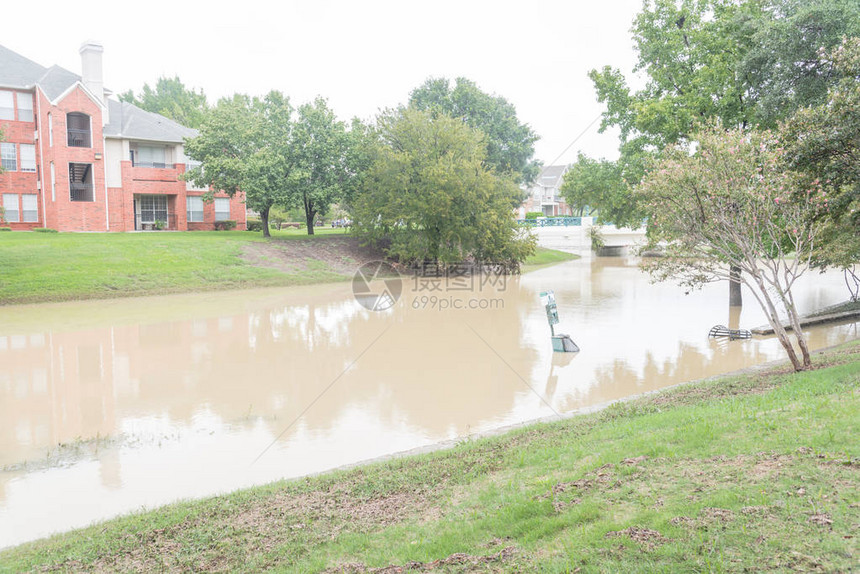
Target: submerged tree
732, 204
430, 195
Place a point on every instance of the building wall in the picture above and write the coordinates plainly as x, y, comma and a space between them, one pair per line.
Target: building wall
20, 182
61, 212
115, 181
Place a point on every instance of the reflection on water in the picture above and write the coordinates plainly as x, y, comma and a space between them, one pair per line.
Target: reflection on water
108, 406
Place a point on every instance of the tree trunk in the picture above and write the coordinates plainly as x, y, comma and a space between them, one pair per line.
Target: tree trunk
309, 219
735, 298
264, 219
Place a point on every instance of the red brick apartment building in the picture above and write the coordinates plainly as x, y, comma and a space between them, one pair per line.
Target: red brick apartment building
75, 160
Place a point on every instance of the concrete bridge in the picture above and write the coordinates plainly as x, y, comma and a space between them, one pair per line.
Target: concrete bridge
572, 234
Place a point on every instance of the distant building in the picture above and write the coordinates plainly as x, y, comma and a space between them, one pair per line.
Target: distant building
544, 194
75, 160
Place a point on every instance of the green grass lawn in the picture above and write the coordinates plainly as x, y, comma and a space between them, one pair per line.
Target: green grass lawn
39, 267
63, 266
544, 257
750, 473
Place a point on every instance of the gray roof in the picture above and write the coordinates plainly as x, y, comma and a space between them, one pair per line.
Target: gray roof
16, 71
56, 81
130, 122
551, 176
126, 120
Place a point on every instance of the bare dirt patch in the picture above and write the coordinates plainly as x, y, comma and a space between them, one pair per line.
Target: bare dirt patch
461, 562
340, 254
644, 536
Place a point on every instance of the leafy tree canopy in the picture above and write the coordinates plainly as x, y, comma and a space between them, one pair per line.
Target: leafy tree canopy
431, 195
245, 145
823, 142
510, 144
590, 184
171, 99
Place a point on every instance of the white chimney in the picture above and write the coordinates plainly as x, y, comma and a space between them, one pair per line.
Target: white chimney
91, 72
91, 67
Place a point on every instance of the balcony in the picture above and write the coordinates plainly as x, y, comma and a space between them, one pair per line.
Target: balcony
79, 138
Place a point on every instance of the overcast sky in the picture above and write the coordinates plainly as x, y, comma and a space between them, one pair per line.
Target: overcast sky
361, 56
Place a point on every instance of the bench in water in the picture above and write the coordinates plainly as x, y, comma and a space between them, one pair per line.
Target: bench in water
732, 334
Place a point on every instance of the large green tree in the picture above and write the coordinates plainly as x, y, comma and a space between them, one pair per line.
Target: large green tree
245, 144
824, 143
171, 99
592, 185
430, 194
320, 171
510, 143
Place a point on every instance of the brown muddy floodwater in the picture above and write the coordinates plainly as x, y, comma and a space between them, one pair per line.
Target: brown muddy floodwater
110, 406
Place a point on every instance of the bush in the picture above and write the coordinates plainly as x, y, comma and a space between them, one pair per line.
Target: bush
254, 225
5, 229
226, 225
44, 230
534, 214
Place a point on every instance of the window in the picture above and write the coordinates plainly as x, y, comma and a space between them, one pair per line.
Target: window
195, 209
7, 108
50, 130
8, 157
78, 128
28, 157
81, 182
149, 156
53, 183
25, 107
10, 207
29, 208
153, 208
222, 208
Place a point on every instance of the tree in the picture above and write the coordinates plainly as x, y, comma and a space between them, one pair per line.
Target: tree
320, 172
430, 195
171, 99
510, 144
745, 63
732, 204
823, 142
245, 145
598, 184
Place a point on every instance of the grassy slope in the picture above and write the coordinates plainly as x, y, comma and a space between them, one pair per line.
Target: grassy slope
544, 257
751, 473
37, 267
64, 266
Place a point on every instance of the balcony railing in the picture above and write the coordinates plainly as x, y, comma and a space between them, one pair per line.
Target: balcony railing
551, 222
81, 192
155, 164
79, 138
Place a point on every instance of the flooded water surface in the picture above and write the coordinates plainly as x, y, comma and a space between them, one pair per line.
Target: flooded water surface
110, 406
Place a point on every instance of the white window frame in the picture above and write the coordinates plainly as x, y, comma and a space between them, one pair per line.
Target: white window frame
28, 164
193, 201
5, 157
221, 214
11, 207
50, 130
29, 215
53, 183
26, 97
7, 111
